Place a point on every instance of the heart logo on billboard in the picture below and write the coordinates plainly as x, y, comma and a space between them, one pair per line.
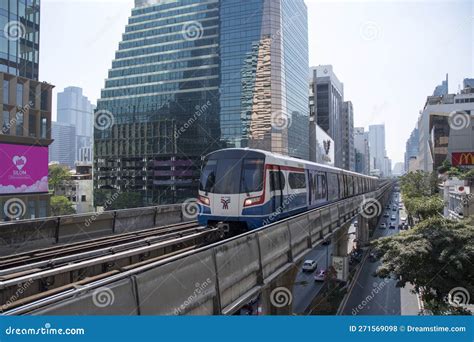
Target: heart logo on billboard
19, 162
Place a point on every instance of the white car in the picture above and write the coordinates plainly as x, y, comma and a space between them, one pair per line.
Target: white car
383, 226
320, 276
309, 266
403, 219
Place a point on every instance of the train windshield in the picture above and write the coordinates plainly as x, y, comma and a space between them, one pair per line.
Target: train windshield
232, 176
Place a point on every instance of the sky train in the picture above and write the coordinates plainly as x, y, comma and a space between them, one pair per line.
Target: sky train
247, 189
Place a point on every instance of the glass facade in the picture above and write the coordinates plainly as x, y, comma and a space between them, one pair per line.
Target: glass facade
264, 67
19, 38
193, 76
162, 96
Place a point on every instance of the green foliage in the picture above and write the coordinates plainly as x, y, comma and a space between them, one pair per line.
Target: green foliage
455, 172
468, 175
424, 207
60, 205
418, 184
436, 256
57, 175
445, 166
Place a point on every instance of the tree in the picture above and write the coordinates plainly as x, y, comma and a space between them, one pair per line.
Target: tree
57, 175
436, 256
424, 207
60, 205
418, 184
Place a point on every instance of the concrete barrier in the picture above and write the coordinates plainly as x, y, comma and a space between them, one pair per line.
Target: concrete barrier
26, 235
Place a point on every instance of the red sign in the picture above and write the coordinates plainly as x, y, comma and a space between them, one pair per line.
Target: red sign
462, 158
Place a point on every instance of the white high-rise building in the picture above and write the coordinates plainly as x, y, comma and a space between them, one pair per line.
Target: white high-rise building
75, 109
377, 149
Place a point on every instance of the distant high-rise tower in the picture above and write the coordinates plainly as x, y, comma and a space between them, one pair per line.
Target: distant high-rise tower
75, 109
377, 148
347, 136
328, 98
442, 89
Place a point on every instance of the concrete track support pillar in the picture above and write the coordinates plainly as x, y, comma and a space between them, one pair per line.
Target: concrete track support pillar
277, 298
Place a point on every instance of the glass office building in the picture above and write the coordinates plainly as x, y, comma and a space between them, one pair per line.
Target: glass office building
162, 96
264, 67
193, 76
19, 38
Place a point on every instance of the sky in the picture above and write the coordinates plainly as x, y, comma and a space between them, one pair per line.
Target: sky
390, 55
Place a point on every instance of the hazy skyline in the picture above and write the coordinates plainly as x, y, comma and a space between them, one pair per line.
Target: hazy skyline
389, 54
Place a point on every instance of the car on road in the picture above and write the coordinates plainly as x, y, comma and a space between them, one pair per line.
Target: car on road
403, 219
383, 226
386, 215
326, 242
320, 275
373, 257
310, 266
393, 218
392, 225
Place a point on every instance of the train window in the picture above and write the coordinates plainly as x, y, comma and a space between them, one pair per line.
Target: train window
227, 175
208, 177
322, 191
297, 180
277, 181
252, 175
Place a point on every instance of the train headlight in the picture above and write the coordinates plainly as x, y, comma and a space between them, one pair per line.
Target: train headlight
204, 200
252, 201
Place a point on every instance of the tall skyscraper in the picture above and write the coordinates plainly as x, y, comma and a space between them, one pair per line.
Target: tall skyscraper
442, 89
264, 65
192, 76
19, 42
377, 148
362, 151
412, 148
62, 150
26, 114
328, 94
347, 136
75, 109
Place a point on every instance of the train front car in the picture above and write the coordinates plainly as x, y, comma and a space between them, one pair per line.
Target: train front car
233, 181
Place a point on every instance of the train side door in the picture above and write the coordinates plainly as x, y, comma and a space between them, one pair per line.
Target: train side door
276, 189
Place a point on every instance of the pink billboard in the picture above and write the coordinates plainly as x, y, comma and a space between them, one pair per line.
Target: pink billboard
23, 169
